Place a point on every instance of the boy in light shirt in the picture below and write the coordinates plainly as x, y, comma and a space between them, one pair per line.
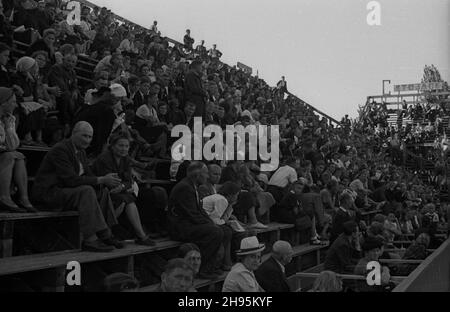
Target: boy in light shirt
219, 208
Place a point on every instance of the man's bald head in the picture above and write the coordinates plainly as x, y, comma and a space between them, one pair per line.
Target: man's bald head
282, 251
82, 135
82, 126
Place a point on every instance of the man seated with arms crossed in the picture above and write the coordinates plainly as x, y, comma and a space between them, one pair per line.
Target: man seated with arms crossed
271, 275
64, 181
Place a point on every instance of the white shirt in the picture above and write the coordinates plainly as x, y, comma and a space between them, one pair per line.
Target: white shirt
240, 279
283, 176
215, 206
127, 46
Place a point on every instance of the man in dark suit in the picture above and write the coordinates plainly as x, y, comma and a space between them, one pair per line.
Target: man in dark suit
141, 96
189, 221
65, 182
343, 215
271, 275
194, 89
345, 251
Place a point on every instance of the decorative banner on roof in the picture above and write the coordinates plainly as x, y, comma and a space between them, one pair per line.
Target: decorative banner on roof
245, 68
426, 86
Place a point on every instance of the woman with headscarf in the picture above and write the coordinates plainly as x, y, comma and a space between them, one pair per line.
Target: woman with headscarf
31, 113
12, 163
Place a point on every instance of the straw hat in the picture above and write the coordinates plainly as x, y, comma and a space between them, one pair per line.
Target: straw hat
249, 246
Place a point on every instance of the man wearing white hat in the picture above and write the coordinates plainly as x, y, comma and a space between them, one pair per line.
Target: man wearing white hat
241, 277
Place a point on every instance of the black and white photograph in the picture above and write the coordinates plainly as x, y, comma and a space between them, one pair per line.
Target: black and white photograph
225, 147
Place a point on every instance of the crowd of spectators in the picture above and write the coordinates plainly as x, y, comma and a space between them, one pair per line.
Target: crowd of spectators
328, 178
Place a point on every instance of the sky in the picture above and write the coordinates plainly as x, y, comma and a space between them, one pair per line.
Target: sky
330, 56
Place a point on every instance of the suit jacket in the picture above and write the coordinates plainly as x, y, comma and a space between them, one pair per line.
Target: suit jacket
270, 276
138, 100
342, 256
194, 88
61, 169
185, 209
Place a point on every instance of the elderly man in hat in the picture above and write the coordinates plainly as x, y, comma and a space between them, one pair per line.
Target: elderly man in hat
271, 275
242, 277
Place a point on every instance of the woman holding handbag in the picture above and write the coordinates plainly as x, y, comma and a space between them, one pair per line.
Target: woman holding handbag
116, 160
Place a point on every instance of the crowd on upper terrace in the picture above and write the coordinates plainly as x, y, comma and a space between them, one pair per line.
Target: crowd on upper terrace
142, 88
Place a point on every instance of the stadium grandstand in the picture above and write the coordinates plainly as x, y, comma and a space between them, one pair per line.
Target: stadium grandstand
89, 187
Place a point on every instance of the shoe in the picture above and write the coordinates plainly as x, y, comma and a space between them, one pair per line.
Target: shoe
258, 226
317, 242
111, 241
27, 208
27, 143
40, 144
96, 246
9, 208
153, 235
146, 241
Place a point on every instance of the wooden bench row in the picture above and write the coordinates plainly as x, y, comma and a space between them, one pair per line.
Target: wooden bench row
54, 263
